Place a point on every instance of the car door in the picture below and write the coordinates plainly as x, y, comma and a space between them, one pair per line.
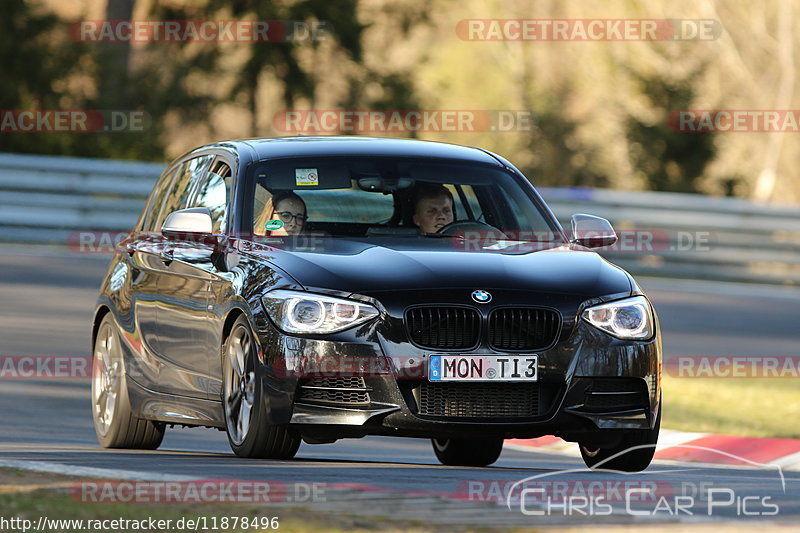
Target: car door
143, 261
183, 286
188, 329
215, 195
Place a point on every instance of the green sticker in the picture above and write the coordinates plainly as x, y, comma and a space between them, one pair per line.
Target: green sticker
272, 225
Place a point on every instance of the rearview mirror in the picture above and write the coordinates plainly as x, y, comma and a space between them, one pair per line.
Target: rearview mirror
195, 221
592, 232
384, 185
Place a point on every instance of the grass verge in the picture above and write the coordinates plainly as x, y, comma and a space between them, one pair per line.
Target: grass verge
739, 406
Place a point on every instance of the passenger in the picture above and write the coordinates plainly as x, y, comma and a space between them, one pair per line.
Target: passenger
288, 208
434, 208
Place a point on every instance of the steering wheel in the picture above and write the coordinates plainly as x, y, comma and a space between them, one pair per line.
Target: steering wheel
471, 225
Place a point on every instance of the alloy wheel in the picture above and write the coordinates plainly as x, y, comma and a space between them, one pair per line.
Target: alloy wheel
239, 385
106, 378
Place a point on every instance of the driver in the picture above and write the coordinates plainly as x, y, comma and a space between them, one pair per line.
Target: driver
433, 208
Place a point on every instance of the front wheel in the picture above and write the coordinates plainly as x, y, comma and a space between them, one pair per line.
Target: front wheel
249, 434
642, 446
467, 452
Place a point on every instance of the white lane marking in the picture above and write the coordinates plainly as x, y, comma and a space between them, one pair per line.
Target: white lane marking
666, 439
672, 437
90, 471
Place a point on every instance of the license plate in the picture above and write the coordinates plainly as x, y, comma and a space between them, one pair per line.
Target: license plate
447, 367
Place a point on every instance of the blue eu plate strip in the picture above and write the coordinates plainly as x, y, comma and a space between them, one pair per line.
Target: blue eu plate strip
435, 368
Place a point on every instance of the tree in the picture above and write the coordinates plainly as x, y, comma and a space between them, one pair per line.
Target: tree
36, 61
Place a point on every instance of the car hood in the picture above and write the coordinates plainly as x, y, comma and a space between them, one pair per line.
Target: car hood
366, 267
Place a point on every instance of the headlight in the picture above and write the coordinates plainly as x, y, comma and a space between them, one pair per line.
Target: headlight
629, 319
302, 312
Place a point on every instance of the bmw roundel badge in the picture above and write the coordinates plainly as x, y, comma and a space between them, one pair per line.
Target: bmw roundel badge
481, 296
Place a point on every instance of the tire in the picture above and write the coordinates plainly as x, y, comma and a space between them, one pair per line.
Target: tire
114, 423
244, 403
632, 461
467, 452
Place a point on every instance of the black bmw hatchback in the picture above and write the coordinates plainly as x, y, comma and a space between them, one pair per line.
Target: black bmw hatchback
313, 289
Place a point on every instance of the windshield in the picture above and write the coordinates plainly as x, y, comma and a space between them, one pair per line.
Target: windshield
372, 197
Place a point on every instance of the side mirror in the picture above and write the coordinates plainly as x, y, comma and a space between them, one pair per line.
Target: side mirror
188, 223
592, 232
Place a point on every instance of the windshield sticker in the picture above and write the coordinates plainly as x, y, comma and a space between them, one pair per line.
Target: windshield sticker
272, 225
306, 176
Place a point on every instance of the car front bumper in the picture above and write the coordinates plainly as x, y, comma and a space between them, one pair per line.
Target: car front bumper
589, 384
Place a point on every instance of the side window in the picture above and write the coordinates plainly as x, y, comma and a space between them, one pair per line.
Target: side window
156, 200
460, 213
178, 196
212, 191
472, 200
469, 198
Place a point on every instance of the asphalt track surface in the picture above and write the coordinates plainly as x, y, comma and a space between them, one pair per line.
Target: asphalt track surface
46, 304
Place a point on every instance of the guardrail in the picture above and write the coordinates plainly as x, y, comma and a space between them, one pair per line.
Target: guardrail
46, 199
693, 236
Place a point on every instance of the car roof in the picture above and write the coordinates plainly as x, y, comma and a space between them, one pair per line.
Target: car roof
355, 146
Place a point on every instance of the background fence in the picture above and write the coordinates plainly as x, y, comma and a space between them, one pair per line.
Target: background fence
46, 199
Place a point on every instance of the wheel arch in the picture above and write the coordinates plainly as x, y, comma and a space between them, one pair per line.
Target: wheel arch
230, 320
99, 315
233, 315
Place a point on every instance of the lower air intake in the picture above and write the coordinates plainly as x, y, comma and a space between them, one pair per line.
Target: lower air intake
479, 400
350, 390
